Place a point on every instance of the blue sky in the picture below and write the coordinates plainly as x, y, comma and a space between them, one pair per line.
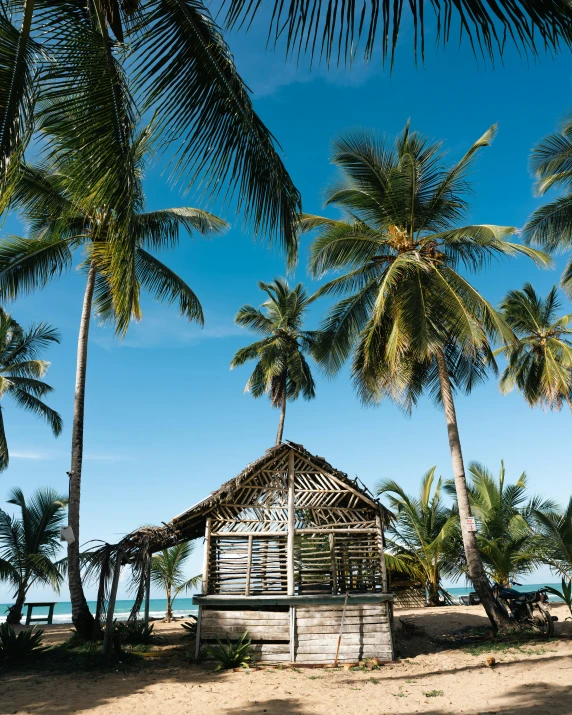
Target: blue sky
167, 421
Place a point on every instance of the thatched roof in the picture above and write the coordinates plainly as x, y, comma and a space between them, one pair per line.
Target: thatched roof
190, 524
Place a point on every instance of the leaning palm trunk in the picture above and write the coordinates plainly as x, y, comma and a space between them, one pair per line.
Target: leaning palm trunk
15, 612
281, 422
495, 612
81, 615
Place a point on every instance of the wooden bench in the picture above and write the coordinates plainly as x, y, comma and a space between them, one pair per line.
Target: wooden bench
39, 619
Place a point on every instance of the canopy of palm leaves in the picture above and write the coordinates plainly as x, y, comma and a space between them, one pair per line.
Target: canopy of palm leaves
21, 373
399, 246
29, 544
504, 514
281, 370
59, 225
167, 572
61, 68
336, 31
540, 362
555, 528
550, 226
418, 539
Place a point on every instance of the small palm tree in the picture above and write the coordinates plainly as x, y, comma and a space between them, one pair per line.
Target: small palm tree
30, 543
540, 362
419, 536
167, 573
21, 373
555, 529
550, 226
505, 516
281, 371
412, 321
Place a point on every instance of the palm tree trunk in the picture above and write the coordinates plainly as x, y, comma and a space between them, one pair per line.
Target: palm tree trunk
15, 612
169, 613
495, 612
281, 422
81, 616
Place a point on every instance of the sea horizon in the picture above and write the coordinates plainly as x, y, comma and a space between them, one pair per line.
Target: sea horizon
183, 607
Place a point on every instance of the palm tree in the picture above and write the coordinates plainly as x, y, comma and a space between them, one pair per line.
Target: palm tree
412, 322
417, 540
78, 72
506, 537
341, 30
118, 265
281, 370
167, 573
555, 528
540, 363
30, 543
21, 373
550, 226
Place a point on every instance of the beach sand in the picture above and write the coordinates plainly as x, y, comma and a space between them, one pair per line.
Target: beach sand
529, 680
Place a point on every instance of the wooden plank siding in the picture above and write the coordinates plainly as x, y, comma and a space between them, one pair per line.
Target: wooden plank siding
314, 631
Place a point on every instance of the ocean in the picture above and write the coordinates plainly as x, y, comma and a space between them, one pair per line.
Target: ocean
184, 606
157, 607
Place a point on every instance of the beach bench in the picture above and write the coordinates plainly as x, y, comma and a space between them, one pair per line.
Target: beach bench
39, 619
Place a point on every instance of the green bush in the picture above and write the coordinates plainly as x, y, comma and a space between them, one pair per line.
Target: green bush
565, 594
135, 632
231, 656
14, 647
190, 629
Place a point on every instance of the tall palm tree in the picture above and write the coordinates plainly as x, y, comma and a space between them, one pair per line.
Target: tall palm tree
281, 370
540, 362
167, 573
412, 322
29, 544
21, 373
418, 538
117, 267
550, 226
505, 515
78, 72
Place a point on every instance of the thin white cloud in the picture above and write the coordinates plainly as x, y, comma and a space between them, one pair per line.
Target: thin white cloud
23, 454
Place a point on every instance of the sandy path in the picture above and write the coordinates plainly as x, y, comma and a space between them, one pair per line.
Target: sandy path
535, 680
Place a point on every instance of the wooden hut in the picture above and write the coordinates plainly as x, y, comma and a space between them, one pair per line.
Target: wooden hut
290, 545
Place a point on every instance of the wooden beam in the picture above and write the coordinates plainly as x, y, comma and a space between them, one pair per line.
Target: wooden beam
291, 524
292, 634
198, 634
147, 590
108, 635
334, 567
205, 585
384, 581
248, 567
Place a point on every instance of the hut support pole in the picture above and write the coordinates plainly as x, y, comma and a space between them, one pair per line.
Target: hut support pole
248, 566
205, 588
385, 584
290, 542
147, 589
334, 568
108, 635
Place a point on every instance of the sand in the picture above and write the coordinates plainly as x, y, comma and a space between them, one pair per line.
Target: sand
533, 679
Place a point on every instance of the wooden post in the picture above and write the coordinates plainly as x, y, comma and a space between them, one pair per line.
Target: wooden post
292, 634
385, 584
147, 589
108, 635
334, 568
248, 566
291, 524
198, 636
207, 556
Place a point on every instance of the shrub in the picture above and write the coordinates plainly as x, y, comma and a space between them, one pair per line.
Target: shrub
565, 594
231, 655
135, 632
190, 629
14, 647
